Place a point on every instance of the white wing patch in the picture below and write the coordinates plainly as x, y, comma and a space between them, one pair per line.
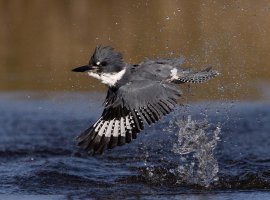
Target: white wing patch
114, 127
98, 126
122, 129
103, 128
109, 129
174, 75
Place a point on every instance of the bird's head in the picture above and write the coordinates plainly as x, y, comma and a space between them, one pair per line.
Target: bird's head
105, 60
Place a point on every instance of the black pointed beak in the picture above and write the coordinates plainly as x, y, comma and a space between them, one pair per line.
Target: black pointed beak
83, 68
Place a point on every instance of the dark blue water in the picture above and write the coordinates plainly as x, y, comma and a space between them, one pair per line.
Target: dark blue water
221, 151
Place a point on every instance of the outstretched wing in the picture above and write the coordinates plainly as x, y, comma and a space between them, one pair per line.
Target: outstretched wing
125, 112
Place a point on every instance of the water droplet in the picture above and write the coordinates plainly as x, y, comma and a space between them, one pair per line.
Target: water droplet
221, 88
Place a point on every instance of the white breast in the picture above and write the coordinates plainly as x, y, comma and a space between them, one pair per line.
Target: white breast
109, 79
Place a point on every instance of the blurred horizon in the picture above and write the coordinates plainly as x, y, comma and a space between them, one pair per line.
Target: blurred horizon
42, 40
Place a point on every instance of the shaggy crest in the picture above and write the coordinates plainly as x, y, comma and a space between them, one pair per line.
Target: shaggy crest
107, 56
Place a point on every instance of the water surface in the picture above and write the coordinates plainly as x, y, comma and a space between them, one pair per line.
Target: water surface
38, 156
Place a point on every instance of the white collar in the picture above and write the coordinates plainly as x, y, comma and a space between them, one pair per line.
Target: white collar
109, 79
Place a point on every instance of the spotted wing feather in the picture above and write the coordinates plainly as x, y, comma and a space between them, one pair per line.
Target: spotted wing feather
197, 77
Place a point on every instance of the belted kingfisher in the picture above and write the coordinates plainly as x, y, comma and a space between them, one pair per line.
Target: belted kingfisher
136, 94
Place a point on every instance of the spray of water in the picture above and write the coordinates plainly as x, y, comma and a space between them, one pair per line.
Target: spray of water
195, 145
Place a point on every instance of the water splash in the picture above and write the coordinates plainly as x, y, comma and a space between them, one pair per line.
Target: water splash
195, 145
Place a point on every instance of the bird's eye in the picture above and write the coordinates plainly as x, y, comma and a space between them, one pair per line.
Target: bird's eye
103, 63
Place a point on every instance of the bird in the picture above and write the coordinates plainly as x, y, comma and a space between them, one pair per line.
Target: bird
138, 94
